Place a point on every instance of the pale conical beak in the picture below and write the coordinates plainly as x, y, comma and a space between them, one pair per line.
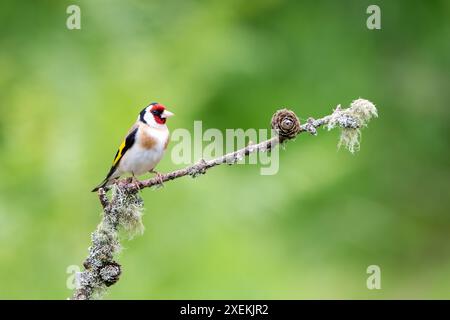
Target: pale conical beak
167, 114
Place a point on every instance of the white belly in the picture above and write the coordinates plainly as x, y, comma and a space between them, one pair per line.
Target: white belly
139, 161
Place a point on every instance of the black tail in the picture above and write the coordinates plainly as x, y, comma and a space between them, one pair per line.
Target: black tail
107, 179
101, 185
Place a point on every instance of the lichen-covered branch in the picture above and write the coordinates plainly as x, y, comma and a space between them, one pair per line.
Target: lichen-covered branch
124, 210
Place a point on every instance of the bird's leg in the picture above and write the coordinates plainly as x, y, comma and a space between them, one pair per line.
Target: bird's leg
115, 181
158, 177
134, 181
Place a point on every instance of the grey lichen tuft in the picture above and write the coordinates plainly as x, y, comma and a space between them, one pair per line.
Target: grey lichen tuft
90, 285
128, 208
351, 121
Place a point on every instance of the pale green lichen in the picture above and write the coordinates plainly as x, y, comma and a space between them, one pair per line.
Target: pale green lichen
99, 292
129, 209
351, 121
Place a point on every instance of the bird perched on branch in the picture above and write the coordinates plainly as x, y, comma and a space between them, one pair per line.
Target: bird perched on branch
144, 145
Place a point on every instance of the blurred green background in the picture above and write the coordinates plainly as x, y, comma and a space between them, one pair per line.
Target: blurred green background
67, 97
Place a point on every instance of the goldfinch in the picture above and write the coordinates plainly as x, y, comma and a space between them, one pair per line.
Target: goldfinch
144, 145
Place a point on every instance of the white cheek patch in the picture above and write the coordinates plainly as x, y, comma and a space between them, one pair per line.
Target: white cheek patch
149, 118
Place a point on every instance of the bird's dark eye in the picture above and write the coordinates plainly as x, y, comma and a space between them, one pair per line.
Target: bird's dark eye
155, 112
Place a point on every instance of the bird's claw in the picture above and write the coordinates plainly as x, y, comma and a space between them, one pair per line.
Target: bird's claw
159, 178
133, 180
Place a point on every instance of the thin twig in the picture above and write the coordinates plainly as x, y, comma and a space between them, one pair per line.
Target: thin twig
203, 165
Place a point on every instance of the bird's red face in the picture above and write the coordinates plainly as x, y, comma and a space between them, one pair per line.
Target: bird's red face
155, 113
157, 110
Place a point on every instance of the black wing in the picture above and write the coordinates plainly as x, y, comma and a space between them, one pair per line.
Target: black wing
126, 144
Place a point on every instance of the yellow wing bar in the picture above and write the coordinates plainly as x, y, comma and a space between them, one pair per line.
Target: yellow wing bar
119, 153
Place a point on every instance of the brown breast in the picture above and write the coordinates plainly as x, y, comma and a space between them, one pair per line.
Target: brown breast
146, 141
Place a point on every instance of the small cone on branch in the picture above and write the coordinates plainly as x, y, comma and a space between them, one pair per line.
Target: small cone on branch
286, 123
110, 273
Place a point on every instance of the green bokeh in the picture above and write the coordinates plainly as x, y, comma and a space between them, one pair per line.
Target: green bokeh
68, 97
